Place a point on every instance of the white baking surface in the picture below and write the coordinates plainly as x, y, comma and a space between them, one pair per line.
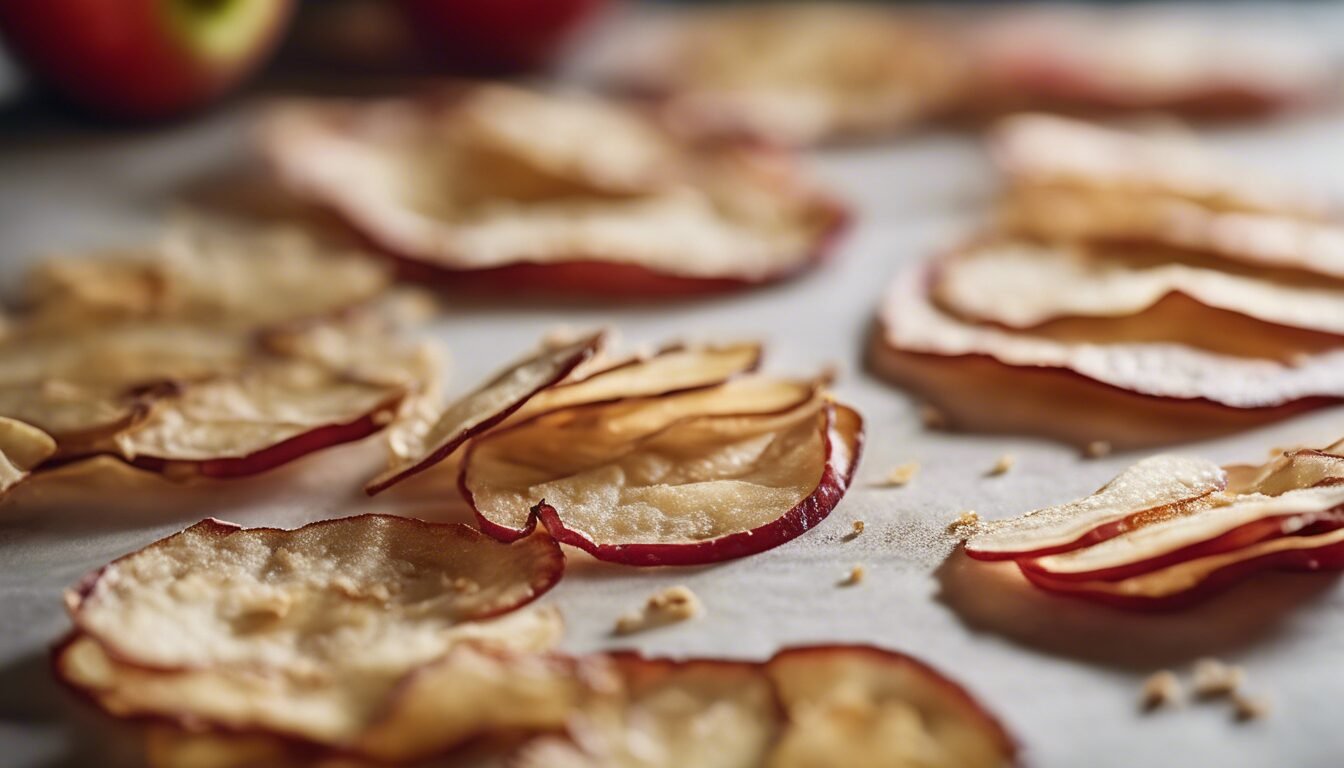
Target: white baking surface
1063, 675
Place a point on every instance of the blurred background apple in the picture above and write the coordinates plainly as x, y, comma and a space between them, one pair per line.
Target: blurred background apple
142, 59
497, 36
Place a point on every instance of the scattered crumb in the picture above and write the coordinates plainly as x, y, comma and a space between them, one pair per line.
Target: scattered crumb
854, 576
829, 374
1249, 707
1212, 678
1001, 467
932, 417
668, 606
1096, 449
901, 475
965, 524
858, 528
1159, 690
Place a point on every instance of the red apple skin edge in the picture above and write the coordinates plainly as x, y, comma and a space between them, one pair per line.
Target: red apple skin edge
496, 35
123, 59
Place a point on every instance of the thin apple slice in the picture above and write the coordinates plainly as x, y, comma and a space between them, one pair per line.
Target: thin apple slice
422, 443
865, 706
703, 713
694, 478
1024, 284
22, 448
1155, 488
1299, 468
1189, 581
420, 181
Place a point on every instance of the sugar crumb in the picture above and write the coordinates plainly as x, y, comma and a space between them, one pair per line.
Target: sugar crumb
1213, 678
965, 524
1001, 467
931, 417
1246, 708
855, 576
1161, 689
901, 475
856, 530
1097, 449
668, 606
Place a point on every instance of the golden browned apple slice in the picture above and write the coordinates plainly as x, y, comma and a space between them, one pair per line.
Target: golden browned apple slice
865, 706
447, 185
692, 478
22, 448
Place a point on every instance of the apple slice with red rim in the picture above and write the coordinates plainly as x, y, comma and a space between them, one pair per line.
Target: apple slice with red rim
692, 478
445, 185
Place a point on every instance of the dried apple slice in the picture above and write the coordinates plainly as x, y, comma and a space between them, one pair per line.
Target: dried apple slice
22, 448
709, 714
492, 207
423, 443
864, 706
695, 478
795, 74
1025, 284
1155, 488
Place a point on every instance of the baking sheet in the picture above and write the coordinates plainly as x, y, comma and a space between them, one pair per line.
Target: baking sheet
1065, 676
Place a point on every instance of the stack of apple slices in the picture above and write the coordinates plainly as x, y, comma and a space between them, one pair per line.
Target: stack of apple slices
384, 640
677, 457
1137, 292
1171, 530
516, 190
213, 354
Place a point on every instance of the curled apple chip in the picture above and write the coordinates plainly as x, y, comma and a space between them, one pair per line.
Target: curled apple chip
22, 447
1026, 284
450, 186
796, 74
1158, 487
692, 478
706, 713
859, 705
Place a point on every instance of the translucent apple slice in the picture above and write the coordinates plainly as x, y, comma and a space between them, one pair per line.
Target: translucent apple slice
695, 478
864, 706
1189, 581
22, 448
490, 207
1023, 284
423, 443
1158, 487
709, 714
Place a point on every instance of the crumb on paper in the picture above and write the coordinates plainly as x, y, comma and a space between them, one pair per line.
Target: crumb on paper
1161, 689
965, 524
901, 475
829, 374
855, 576
1004, 463
1213, 678
856, 529
932, 417
1247, 708
1097, 449
664, 607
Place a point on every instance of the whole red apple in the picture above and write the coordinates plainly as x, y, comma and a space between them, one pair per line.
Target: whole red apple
142, 59
497, 35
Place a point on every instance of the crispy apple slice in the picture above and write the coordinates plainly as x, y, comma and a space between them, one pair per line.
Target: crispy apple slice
489, 206
795, 74
423, 443
695, 478
1155, 488
864, 706
1005, 281
1141, 60
710, 714
22, 448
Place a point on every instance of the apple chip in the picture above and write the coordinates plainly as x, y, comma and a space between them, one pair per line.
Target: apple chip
796, 74
1158, 487
703, 713
700, 477
421, 443
22, 448
864, 706
449, 186
1142, 60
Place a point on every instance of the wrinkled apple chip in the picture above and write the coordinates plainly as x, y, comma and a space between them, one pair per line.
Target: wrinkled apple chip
858, 705
448, 184
1024, 284
691, 478
334, 633
1140, 60
794, 74
22, 447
